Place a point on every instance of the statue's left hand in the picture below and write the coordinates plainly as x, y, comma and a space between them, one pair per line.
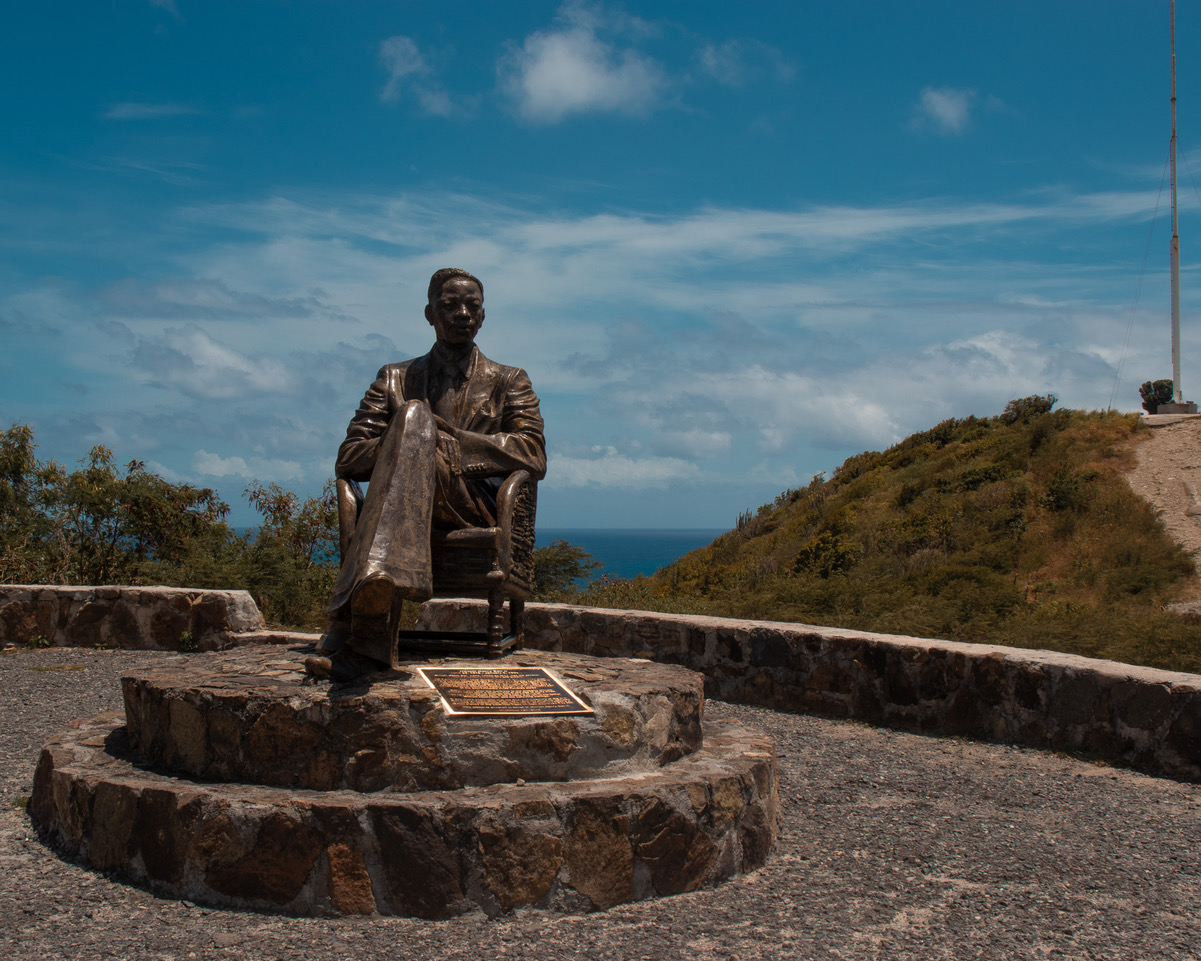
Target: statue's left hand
448, 445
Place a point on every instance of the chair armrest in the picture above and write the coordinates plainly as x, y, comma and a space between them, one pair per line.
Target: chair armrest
516, 506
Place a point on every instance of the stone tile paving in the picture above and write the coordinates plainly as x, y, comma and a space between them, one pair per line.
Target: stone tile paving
892, 845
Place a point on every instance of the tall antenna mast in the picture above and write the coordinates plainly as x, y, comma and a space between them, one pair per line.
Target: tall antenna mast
1177, 395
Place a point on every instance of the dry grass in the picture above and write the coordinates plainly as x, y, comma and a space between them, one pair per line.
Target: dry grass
1022, 533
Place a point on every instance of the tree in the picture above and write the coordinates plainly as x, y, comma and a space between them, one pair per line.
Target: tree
97, 525
291, 559
26, 494
1023, 408
1155, 393
559, 565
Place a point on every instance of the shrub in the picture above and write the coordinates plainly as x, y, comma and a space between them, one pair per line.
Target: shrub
1023, 408
826, 554
1155, 393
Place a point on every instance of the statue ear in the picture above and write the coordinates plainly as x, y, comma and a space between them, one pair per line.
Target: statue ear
429, 313
481, 323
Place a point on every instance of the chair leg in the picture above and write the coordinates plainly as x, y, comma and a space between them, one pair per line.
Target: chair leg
496, 620
517, 621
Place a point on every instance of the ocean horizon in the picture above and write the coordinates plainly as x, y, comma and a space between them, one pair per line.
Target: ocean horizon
623, 552
630, 551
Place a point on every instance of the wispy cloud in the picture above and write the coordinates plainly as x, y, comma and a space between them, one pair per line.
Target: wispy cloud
138, 110
594, 59
945, 109
408, 71
607, 467
264, 469
191, 361
572, 68
738, 62
667, 349
195, 298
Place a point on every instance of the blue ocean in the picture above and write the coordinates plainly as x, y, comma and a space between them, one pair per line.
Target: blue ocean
628, 552
623, 552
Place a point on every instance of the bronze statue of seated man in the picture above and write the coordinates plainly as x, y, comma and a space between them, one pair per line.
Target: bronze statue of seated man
434, 436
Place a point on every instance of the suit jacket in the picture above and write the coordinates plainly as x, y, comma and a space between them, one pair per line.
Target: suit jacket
498, 425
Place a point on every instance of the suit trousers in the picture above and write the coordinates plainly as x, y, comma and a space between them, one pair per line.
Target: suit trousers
392, 535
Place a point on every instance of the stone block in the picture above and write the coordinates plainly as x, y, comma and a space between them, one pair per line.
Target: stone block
416, 834
519, 864
1076, 698
597, 850
1146, 707
276, 865
678, 853
349, 882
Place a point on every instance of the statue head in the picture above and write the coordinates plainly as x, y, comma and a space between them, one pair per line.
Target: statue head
456, 307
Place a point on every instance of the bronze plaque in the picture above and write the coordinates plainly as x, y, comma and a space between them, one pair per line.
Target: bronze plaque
501, 690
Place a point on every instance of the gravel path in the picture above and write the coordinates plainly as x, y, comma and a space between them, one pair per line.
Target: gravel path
891, 845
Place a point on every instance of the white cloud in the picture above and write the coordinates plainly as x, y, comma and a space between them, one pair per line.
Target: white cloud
726, 347
188, 360
946, 109
609, 468
183, 297
737, 62
571, 69
401, 59
262, 469
165, 472
697, 442
407, 69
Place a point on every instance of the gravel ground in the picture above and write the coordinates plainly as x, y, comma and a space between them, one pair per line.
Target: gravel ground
891, 845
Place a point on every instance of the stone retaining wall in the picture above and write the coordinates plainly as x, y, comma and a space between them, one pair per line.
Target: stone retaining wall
137, 618
1135, 716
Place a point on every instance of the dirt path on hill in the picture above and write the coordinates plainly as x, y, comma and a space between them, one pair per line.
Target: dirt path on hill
1169, 476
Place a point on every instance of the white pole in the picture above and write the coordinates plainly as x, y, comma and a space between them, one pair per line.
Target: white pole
1175, 236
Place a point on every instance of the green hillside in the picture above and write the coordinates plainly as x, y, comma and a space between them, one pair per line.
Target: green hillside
1018, 530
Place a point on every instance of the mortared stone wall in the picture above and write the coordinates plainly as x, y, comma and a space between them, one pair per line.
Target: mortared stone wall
132, 618
1133, 716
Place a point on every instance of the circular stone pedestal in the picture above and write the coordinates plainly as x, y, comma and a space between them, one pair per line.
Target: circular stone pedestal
236, 781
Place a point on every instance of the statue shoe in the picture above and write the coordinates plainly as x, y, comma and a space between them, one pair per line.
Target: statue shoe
372, 597
347, 665
341, 666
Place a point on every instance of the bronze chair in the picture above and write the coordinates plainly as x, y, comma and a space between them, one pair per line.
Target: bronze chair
486, 562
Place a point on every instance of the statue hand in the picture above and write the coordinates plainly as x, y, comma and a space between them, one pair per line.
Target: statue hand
448, 448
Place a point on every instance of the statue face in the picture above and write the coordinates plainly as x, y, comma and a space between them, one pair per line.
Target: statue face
458, 312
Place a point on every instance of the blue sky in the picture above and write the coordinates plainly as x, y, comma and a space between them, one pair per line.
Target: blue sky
732, 243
